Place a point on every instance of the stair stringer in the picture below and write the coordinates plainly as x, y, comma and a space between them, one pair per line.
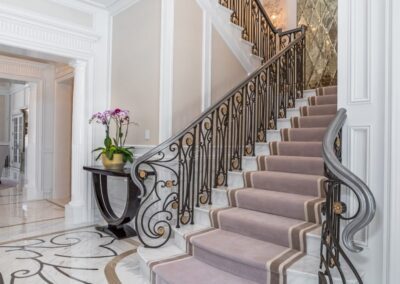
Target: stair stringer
231, 34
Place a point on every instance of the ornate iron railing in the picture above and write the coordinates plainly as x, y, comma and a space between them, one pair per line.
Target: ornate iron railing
335, 209
187, 166
258, 29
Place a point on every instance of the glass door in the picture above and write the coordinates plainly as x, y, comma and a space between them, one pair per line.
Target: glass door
17, 145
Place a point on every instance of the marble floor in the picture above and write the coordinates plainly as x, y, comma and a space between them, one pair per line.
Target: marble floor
37, 245
82, 255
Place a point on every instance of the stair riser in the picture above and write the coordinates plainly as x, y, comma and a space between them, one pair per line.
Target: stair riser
249, 164
262, 149
235, 180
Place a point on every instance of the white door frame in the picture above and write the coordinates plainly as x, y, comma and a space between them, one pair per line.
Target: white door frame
86, 47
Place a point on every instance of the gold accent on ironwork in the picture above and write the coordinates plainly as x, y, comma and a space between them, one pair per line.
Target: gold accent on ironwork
282, 113
338, 208
207, 125
271, 124
235, 163
220, 179
203, 198
248, 149
189, 141
174, 205
338, 142
169, 184
290, 103
161, 231
238, 98
142, 174
261, 136
224, 110
185, 219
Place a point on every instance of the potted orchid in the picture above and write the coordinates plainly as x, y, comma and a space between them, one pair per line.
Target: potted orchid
114, 154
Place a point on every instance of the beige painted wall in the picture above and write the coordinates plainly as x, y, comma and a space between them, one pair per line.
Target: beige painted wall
136, 67
51, 9
63, 138
187, 63
227, 72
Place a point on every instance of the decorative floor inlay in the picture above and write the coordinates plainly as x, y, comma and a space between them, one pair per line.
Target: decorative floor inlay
78, 256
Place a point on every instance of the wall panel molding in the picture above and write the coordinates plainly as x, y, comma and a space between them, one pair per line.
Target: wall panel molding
166, 69
359, 163
207, 62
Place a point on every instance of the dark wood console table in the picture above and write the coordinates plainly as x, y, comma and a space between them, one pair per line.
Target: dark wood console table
117, 226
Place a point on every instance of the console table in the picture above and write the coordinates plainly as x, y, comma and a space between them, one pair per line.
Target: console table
117, 225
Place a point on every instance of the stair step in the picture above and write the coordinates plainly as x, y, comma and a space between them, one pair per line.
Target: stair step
262, 149
309, 93
293, 164
202, 215
200, 272
302, 149
288, 205
312, 121
181, 233
310, 185
301, 103
292, 112
149, 255
315, 134
323, 100
273, 135
219, 197
318, 110
249, 163
235, 179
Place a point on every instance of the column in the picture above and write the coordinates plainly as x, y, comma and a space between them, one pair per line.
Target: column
76, 209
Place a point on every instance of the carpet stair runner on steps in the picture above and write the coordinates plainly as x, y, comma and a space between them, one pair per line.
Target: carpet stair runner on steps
263, 232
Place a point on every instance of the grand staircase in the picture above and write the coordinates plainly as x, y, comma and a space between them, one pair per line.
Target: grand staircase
250, 192
263, 231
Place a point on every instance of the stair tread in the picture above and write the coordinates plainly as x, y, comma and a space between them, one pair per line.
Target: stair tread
201, 272
286, 182
285, 204
292, 164
237, 247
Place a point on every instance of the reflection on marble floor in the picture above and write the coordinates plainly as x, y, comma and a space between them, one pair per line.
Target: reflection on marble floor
80, 256
29, 211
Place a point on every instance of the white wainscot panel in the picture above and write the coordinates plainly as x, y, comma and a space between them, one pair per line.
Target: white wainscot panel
359, 163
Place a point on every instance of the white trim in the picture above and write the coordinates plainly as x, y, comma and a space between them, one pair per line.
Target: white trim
60, 40
391, 273
43, 33
121, 5
110, 59
231, 34
166, 69
207, 62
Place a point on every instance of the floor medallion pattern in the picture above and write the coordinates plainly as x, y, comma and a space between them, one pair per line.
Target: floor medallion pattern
79, 256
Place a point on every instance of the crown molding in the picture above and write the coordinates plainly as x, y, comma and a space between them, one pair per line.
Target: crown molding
17, 26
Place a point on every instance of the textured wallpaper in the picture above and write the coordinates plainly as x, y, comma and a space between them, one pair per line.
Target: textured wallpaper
320, 16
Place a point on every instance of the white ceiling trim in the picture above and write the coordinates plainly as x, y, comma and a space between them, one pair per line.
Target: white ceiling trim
113, 6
